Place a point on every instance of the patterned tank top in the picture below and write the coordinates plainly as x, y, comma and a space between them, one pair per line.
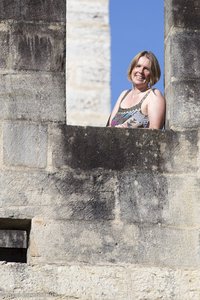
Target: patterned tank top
133, 115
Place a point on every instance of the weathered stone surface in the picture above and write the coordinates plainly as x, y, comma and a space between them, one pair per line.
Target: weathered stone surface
33, 96
120, 149
110, 242
143, 197
13, 239
38, 47
182, 64
88, 63
97, 282
10, 9
131, 197
182, 52
67, 195
88, 12
44, 10
183, 107
4, 47
25, 144
182, 13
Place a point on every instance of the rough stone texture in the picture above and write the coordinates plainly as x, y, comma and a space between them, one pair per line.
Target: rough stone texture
38, 47
161, 151
124, 213
183, 14
26, 97
109, 242
182, 32
108, 213
88, 62
32, 64
24, 145
43, 10
102, 282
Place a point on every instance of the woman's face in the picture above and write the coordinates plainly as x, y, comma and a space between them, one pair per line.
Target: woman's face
140, 74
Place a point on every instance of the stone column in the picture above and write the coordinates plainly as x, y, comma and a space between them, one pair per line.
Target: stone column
182, 63
88, 62
32, 44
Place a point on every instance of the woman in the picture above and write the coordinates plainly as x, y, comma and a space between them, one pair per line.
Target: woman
142, 106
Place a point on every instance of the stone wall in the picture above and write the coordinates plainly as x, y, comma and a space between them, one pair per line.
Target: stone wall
104, 227
88, 62
85, 212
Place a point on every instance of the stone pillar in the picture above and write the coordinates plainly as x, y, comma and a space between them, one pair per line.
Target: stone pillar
182, 63
88, 62
32, 44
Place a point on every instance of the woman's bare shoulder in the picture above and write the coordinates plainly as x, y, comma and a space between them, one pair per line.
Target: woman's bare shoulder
157, 93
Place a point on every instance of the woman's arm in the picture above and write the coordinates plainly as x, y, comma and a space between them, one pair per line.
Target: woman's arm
156, 110
116, 107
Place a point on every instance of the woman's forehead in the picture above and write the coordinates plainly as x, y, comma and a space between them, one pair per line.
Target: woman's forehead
144, 60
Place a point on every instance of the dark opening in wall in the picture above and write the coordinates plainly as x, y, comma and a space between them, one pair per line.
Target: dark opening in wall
14, 239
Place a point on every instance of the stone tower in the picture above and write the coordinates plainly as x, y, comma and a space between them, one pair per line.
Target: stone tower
95, 213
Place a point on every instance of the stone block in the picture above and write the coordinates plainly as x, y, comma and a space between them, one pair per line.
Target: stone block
94, 98
25, 144
89, 242
13, 239
45, 10
168, 16
97, 282
110, 242
89, 12
38, 47
147, 198
33, 96
4, 47
183, 109
182, 207
182, 13
120, 149
10, 9
132, 197
182, 52
142, 197
66, 196
90, 148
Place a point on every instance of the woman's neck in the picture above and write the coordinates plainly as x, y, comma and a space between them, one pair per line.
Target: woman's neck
138, 90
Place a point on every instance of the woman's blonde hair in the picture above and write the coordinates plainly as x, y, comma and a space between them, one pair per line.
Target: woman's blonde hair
155, 68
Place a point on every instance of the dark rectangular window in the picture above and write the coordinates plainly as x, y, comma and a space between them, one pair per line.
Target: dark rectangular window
14, 239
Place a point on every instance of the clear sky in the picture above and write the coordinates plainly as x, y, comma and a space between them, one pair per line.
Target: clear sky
135, 26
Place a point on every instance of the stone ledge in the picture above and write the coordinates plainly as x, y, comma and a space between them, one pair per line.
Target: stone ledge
106, 282
88, 148
101, 242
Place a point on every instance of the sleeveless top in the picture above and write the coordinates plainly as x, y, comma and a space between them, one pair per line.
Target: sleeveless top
133, 115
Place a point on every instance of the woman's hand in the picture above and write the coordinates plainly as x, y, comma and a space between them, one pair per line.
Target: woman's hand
124, 125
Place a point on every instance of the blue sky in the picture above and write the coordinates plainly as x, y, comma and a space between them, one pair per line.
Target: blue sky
135, 26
